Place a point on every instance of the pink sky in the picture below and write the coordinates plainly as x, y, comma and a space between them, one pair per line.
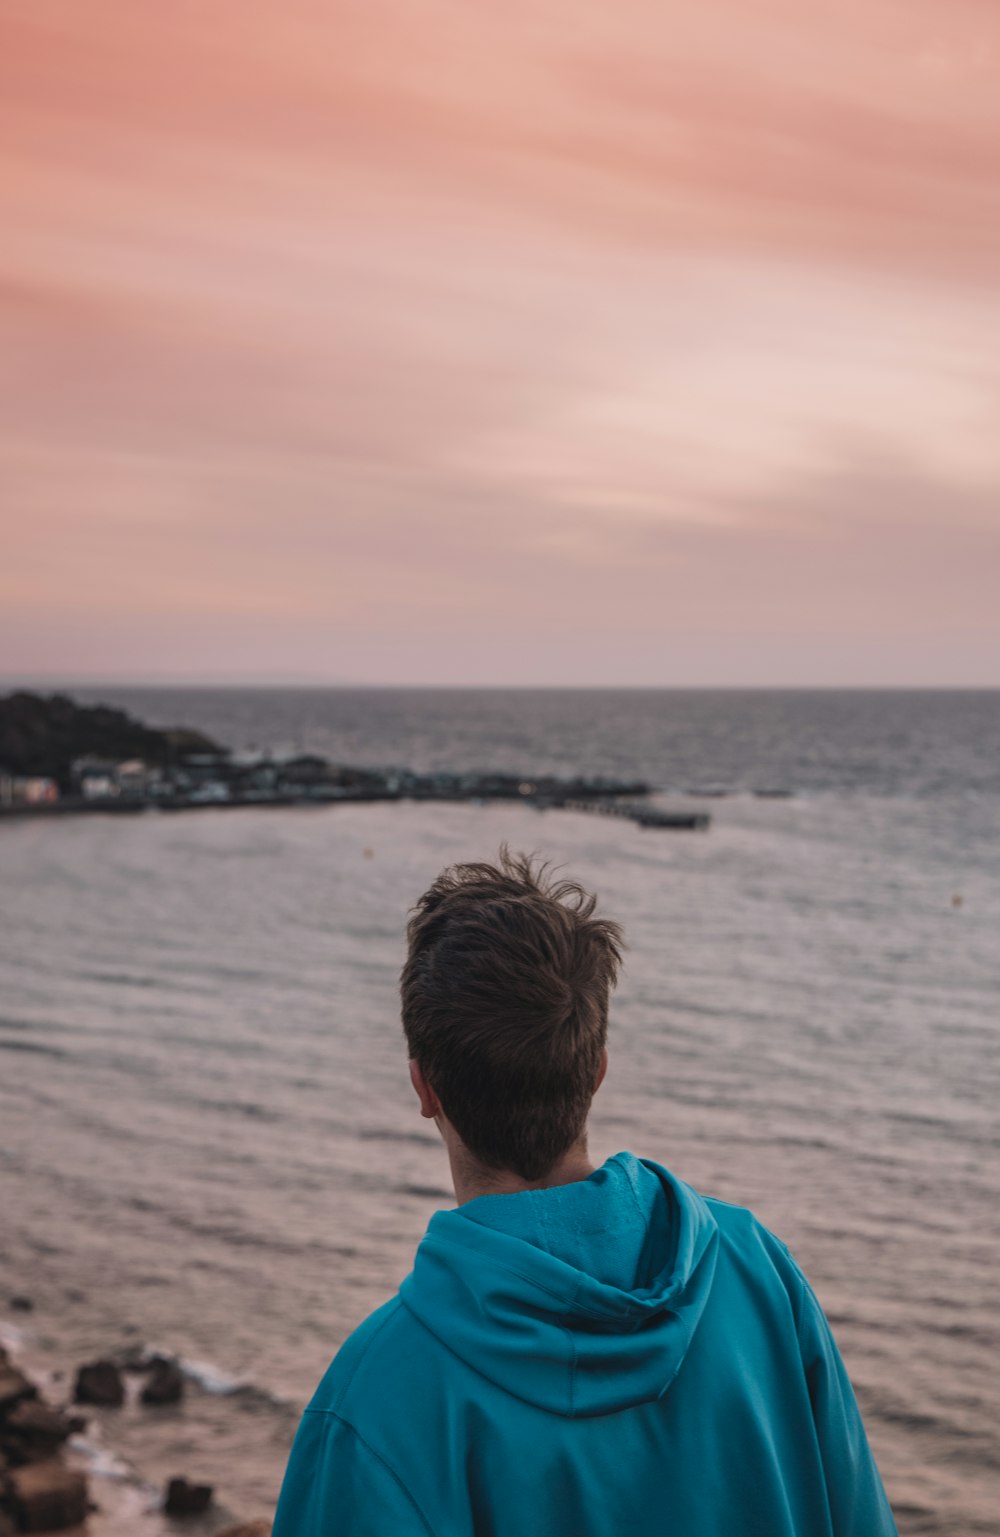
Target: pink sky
436, 341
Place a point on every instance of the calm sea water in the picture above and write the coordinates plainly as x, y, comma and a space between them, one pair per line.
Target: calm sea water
208, 1140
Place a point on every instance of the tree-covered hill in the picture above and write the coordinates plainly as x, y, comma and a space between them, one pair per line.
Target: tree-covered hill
43, 734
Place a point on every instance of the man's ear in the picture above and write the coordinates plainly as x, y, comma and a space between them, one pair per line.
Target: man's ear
430, 1105
601, 1070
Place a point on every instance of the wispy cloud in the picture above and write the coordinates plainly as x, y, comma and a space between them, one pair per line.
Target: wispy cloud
338, 341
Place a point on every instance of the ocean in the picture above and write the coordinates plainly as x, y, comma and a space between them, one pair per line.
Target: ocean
208, 1139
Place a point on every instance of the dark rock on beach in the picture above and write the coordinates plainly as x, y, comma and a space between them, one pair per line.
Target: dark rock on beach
21, 1304
100, 1382
14, 1385
46, 1496
166, 1383
38, 1493
186, 1499
33, 1431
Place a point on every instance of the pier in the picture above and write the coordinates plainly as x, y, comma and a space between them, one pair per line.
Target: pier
634, 811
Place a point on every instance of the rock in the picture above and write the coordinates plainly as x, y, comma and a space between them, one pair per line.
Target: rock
45, 1496
33, 1431
247, 1529
21, 1304
14, 1385
184, 1499
99, 1382
165, 1385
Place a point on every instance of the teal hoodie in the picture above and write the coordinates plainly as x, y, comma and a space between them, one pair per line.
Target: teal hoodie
616, 1357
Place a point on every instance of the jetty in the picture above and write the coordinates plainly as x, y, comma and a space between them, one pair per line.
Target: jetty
633, 811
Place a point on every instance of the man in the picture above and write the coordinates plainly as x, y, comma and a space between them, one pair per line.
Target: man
588, 1352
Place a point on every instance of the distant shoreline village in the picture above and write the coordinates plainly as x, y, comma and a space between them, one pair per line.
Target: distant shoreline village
58, 757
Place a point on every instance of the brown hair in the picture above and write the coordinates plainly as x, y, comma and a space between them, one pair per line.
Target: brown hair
505, 1006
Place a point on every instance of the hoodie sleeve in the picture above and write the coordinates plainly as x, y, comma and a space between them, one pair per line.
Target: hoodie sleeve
336, 1485
858, 1503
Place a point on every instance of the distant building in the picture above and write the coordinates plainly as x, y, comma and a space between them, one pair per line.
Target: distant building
203, 768
94, 778
258, 776
32, 790
306, 769
209, 792
132, 777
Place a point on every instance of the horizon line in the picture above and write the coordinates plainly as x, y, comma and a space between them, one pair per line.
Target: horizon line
54, 684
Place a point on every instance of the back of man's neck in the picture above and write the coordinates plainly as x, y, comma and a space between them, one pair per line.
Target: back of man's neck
472, 1179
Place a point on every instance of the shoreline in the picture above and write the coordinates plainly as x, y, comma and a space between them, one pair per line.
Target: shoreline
594, 803
121, 1499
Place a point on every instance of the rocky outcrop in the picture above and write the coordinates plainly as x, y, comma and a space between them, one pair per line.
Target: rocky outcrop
14, 1385
185, 1499
100, 1382
165, 1384
33, 1431
38, 1493
46, 1496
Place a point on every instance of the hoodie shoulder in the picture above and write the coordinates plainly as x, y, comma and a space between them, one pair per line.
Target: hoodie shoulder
347, 1367
751, 1246
740, 1224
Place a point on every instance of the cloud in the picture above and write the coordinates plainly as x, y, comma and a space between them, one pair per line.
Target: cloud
351, 328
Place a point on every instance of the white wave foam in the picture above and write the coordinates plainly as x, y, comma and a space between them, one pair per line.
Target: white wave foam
12, 1337
102, 1462
208, 1376
211, 1377
218, 1382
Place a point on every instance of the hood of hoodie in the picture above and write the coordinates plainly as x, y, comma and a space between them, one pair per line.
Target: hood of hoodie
581, 1299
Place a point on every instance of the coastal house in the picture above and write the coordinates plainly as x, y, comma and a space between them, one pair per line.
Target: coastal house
259, 777
94, 778
33, 790
306, 769
206, 767
133, 778
209, 792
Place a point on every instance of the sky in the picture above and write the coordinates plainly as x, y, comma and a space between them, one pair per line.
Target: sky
556, 342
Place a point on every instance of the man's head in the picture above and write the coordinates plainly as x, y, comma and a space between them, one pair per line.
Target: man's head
505, 1007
